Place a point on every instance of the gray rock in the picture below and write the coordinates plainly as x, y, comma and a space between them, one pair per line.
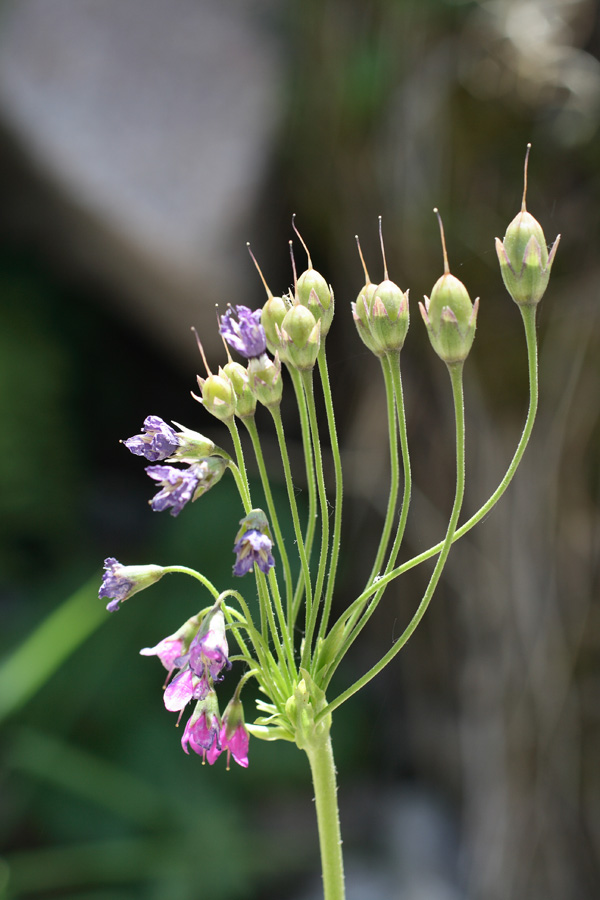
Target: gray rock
152, 123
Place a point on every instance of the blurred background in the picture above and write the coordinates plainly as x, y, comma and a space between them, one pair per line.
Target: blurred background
141, 145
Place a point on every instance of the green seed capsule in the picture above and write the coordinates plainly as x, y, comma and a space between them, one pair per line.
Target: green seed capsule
265, 379
301, 337
245, 399
525, 263
449, 315
218, 395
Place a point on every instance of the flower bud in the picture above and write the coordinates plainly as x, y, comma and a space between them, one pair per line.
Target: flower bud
388, 317
300, 337
245, 399
523, 255
265, 379
218, 395
313, 292
449, 315
273, 314
360, 314
381, 311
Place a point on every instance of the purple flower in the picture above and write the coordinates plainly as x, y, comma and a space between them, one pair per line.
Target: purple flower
234, 736
209, 650
157, 442
242, 330
177, 487
120, 582
202, 729
253, 547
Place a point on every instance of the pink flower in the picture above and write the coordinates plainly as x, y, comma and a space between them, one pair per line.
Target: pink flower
201, 731
234, 736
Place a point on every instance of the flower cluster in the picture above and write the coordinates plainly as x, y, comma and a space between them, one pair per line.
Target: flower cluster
199, 653
206, 463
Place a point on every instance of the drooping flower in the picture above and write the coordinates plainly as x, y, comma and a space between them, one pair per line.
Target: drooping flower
172, 649
158, 440
243, 331
120, 582
202, 730
234, 736
253, 547
179, 486
185, 686
253, 544
209, 651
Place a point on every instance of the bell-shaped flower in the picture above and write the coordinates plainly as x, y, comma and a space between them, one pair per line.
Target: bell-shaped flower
121, 582
209, 652
202, 730
234, 735
180, 486
253, 544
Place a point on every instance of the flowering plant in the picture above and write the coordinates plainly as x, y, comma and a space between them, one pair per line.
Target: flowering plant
265, 617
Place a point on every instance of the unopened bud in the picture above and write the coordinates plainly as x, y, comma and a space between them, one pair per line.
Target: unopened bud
300, 337
273, 314
245, 400
313, 292
449, 315
523, 255
218, 395
265, 379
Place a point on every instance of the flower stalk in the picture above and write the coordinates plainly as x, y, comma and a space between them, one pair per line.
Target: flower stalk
296, 645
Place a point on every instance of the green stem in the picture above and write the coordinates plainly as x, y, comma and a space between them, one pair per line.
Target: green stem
339, 490
323, 772
261, 582
394, 467
310, 483
239, 474
184, 570
528, 314
293, 506
457, 393
356, 623
289, 650
312, 613
253, 432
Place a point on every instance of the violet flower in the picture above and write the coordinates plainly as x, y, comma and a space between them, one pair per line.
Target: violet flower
120, 582
253, 547
177, 487
209, 651
242, 330
158, 440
